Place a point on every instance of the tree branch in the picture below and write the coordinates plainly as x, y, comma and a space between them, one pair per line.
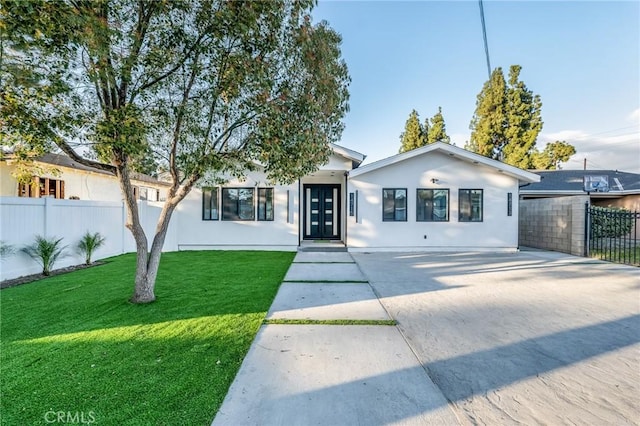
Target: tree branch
171, 70
66, 148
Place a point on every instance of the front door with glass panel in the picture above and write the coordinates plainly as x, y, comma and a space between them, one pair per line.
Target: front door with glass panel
322, 212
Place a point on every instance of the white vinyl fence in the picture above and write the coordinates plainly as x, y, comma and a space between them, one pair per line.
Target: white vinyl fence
21, 219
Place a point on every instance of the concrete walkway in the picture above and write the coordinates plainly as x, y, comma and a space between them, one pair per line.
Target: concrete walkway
327, 374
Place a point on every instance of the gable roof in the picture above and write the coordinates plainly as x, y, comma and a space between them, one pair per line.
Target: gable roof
349, 154
452, 151
570, 182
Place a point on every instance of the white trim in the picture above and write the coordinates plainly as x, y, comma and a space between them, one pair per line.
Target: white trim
453, 151
348, 153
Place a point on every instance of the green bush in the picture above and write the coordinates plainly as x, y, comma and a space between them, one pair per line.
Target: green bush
611, 222
88, 244
45, 251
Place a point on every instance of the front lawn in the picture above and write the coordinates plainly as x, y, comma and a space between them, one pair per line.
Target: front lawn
72, 346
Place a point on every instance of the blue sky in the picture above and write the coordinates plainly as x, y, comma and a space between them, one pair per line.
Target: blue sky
581, 57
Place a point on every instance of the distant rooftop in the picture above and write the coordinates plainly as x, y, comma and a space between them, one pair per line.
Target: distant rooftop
62, 160
570, 182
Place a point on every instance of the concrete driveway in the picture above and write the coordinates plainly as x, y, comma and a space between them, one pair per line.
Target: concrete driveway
532, 337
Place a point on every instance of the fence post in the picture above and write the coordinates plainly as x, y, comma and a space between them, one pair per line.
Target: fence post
587, 228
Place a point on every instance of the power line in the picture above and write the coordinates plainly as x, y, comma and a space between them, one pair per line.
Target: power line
484, 36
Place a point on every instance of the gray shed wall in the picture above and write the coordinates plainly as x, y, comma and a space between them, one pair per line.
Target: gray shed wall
553, 224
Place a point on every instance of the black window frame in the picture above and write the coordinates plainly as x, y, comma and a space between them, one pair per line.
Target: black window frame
418, 204
263, 199
225, 216
395, 207
460, 200
211, 190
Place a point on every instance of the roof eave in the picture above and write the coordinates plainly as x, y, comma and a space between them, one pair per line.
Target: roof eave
453, 151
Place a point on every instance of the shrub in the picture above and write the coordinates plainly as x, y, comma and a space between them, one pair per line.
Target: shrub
45, 251
88, 244
611, 222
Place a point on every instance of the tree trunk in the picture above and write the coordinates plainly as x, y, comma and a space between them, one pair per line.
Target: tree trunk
148, 264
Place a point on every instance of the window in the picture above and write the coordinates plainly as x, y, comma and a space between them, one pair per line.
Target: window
237, 204
42, 187
432, 205
210, 204
265, 203
509, 204
470, 205
394, 204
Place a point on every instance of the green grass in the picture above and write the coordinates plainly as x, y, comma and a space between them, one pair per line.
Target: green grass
629, 256
72, 343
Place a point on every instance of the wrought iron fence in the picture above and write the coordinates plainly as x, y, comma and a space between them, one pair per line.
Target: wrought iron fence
612, 235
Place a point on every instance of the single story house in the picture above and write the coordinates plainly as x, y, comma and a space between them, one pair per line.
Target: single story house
63, 178
437, 197
606, 188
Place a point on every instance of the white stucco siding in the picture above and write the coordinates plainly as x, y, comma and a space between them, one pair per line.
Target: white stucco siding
497, 231
337, 162
194, 233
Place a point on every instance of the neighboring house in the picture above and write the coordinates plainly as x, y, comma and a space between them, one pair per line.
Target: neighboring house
437, 197
64, 178
612, 188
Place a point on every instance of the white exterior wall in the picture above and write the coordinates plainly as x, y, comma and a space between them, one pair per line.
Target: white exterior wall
497, 231
194, 233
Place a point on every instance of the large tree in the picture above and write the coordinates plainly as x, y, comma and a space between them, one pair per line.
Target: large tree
488, 123
437, 131
507, 121
524, 122
414, 135
205, 87
553, 154
506, 124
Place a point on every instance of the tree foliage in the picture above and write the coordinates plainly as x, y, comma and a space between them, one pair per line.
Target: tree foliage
507, 121
437, 132
413, 136
199, 87
416, 134
553, 154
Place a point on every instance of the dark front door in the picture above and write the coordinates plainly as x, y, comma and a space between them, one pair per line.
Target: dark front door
322, 212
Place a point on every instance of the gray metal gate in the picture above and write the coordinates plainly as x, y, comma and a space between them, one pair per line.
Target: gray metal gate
612, 235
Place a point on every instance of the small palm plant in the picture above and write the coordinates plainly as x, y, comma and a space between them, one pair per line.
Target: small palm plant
88, 244
45, 251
